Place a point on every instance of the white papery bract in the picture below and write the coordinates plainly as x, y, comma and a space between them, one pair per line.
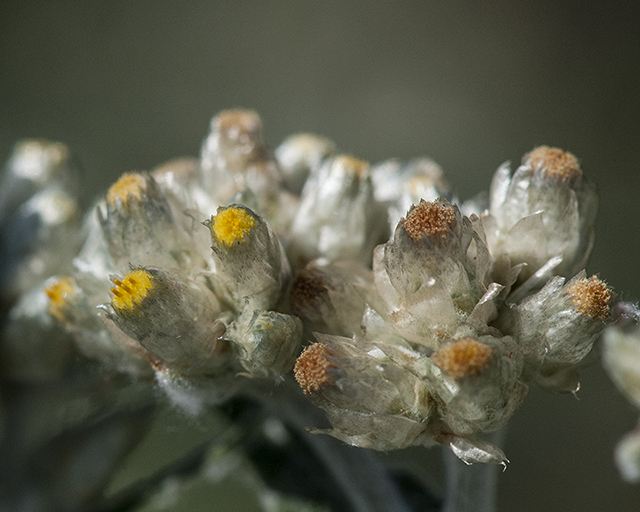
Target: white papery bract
338, 217
544, 212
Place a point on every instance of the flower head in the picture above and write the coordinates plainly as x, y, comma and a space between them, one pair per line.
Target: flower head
543, 215
251, 269
338, 217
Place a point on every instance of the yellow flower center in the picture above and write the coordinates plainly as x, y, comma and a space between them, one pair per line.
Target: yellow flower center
129, 293
130, 184
59, 291
232, 224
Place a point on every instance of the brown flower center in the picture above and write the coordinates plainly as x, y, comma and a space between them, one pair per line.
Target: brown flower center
463, 357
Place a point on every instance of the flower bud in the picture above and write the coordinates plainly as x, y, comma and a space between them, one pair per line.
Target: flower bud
332, 298
546, 210
557, 326
400, 185
173, 317
140, 228
94, 335
338, 216
251, 269
34, 346
478, 383
370, 395
39, 240
300, 156
621, 358
234, 158
266, 342
429, 278
35, 165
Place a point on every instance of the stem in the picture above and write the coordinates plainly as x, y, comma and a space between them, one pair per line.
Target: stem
357, 472
471, 488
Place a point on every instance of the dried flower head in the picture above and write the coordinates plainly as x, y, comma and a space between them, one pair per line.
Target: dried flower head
555, 162
129, 293
463, 357
311, 368
429, 219
231, 225
591, 297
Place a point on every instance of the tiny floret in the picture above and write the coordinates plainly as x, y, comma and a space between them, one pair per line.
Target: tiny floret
311, 368
463, 357
59, 292
232, 225
130, 184
129, 293
555, 162
307, 286
591, 297
429, 219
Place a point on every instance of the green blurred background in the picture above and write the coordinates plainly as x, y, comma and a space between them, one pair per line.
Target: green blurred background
130, 84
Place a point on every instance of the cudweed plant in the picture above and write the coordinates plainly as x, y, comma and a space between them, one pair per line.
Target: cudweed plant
285, 292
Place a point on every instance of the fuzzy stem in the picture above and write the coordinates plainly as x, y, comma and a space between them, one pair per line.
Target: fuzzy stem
471, 488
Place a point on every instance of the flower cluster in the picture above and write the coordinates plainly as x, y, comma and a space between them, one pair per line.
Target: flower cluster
410, 320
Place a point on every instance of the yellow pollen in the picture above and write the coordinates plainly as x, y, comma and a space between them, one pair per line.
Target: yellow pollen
463, 357
429, 219
311, 368
130, 183
232, 225
129, 293
59, 292
591, 297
